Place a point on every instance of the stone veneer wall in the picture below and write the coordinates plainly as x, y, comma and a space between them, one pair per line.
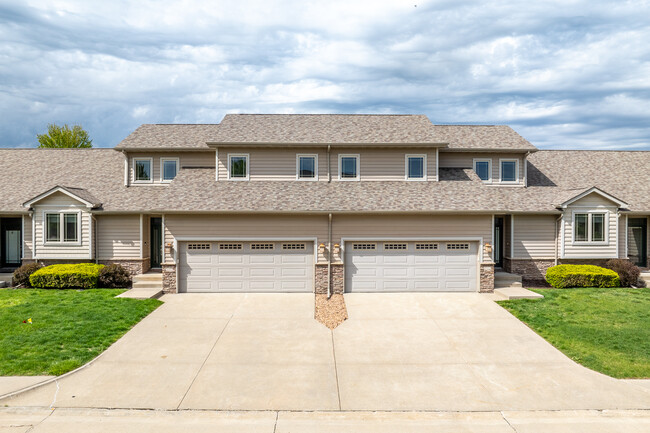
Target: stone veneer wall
135, 266
169, 278
533, 272
487, 278
320, 285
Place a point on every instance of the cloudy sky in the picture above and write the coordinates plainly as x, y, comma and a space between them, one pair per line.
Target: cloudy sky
564, 74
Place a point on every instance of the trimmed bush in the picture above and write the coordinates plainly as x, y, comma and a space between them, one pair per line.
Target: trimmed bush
80, 276
565, 276
21, 275
114, 277
627, 271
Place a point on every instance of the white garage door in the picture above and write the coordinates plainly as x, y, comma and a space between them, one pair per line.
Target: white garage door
246, 267
411, 266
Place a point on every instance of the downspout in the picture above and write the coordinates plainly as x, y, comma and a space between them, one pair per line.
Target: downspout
557, 237
329, 256
329, 170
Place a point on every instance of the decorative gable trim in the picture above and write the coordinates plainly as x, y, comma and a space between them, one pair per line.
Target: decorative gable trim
620, 203
74, 193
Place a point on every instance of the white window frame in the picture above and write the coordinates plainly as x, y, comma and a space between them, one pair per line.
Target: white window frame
350, 155
516, 161
424, 167
489, 162
308, 155
590, 214
133, 163
162, 168
61, 214
248, 166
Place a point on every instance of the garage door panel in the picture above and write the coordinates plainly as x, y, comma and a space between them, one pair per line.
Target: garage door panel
247, 266
414, 266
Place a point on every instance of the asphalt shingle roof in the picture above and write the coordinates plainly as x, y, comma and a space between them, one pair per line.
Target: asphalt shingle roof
554, 177
482, 137
170, 136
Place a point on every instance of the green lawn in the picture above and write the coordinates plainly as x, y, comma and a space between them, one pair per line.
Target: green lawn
607, 330
68, 329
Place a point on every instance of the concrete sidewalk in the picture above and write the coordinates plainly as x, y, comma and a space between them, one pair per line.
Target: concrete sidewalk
43, 420
397, 352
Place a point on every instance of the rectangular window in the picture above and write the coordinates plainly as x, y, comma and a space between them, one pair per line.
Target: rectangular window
238, 166
62, 227
168, 169
70, 233
53, 227
348, 167
598, 227
416, 167
589, 227
509, 170
581, 232
483, 169
307, 167
142, 169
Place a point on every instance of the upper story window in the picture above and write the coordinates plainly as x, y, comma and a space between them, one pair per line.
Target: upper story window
168, 169
238, 167
62, 227
508, 170
416, 167
483, 169
589, 227
142, 170
307, 167
348, 167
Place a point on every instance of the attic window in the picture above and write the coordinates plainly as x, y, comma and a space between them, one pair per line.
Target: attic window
142, 170
168, 169
483, 169
238, 167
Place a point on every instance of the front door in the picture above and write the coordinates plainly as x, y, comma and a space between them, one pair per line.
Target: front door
637, 241
156, 242
498, 242
10, 234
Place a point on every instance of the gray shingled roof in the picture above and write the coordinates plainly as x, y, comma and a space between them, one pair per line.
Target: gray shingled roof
555, 176
77, 192
325, 128
170, 136
482, 137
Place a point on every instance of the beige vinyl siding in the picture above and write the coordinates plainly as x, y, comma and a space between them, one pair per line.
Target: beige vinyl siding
507, 230
315, 226
280, 164
61, 250
466, 160
273, 163
622, 236
118, 237
593, 200
534, 236
28, 242
590, 250
146, 235
185, 159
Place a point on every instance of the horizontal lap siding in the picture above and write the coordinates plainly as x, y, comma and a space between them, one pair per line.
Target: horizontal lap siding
61, 251
280, 164
534, 236
185, 159
118, 237
622, 236
591, 202
28, 243
466, 160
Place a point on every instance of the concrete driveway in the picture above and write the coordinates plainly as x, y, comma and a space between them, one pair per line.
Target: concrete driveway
442, 352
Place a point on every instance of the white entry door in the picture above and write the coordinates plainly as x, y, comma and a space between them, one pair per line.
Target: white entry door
411, 266
247, 266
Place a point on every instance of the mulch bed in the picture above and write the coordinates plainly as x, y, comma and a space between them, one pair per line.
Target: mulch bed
330, 312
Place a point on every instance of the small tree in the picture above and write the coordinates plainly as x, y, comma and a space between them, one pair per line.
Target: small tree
63, 136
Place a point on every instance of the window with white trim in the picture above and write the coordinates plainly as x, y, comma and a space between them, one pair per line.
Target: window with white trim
416, 167
238, 168
589, 227
168, 169
142, 170
349, 167
509, 170
483, 169
62, 227
307, 167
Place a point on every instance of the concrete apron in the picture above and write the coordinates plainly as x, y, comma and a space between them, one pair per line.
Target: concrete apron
397, 352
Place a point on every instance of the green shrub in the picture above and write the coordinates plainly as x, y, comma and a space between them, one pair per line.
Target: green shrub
80, 276
564, 276
114, 277
21, 275
627, 271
